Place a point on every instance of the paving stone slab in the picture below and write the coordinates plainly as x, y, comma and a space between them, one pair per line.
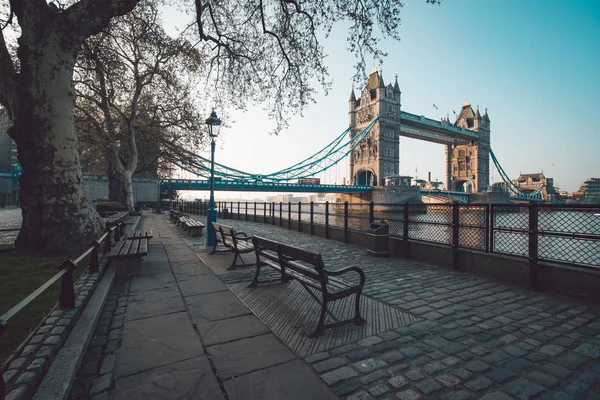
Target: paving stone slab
157, 341
215, 306
153, 303
152, 282
185, 270
201, 284
181, 254
247, 355
186, 380
229, 329
291, 381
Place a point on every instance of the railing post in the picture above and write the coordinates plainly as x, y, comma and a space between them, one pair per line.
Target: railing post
312, 218
487, 227
533, 245
273, 213
455, 238
246, 210
122, 228
299, 216
67, 291
491, 225
117, 233
405, 226
345, 222
94, 261
371, 212
326, 220
289, 215
280, 213
238, 212
254, 211
107, 240
264, 212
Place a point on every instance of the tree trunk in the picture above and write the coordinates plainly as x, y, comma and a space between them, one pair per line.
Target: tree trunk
58, 218
120, 188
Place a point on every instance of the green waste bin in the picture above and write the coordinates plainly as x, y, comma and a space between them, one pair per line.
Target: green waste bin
379, 239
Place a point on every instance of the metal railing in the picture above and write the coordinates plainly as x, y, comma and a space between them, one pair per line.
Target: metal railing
66, 268
67, 288
560, 234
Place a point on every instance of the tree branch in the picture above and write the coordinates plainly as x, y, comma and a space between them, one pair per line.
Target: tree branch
89, 17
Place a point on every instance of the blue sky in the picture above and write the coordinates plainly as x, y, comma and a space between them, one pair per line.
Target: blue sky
534, 64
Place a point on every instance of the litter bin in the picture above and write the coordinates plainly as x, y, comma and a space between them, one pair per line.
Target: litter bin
225, 213
379, 239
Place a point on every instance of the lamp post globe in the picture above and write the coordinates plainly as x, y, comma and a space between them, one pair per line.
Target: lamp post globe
214, 124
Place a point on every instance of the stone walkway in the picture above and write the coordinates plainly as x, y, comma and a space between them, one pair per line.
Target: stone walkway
477, 338
177, 332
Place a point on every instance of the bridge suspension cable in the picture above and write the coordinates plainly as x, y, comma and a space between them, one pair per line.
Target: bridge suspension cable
327, 157
510, 185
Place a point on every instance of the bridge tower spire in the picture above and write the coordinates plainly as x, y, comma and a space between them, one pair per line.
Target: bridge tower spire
378, 155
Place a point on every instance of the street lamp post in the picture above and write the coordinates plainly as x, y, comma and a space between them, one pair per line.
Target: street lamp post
214, 124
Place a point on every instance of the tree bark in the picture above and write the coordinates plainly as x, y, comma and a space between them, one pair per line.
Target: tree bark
58, 218
120, 187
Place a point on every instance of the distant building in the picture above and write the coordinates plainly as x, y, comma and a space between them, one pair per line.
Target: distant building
589, 191
398, 180
530, 182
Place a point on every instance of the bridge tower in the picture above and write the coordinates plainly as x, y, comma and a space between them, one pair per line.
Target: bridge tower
378, 155
469, 162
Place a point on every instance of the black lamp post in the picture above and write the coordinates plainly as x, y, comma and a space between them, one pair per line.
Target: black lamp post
214, 124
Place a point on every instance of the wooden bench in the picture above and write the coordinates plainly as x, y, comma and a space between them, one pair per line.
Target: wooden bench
127, 254
236, 242
194, 227
309, 270
174, 215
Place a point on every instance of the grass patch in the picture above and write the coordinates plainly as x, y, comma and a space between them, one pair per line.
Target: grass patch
6, 247
19, 277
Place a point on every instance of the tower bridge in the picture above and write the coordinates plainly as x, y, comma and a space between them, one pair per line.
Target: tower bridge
466, 141
371, 145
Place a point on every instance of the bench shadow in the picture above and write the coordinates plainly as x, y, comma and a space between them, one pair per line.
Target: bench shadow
291, 313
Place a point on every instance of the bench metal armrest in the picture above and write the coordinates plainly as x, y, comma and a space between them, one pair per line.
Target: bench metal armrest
359, 271
242, 236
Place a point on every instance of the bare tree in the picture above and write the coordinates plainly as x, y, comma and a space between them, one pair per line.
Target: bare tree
261, 50
134, 84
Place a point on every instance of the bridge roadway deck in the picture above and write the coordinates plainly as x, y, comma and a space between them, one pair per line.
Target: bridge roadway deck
186, 335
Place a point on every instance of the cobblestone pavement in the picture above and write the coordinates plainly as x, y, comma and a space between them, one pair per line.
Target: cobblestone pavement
10, 218
479, 338
96, 373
